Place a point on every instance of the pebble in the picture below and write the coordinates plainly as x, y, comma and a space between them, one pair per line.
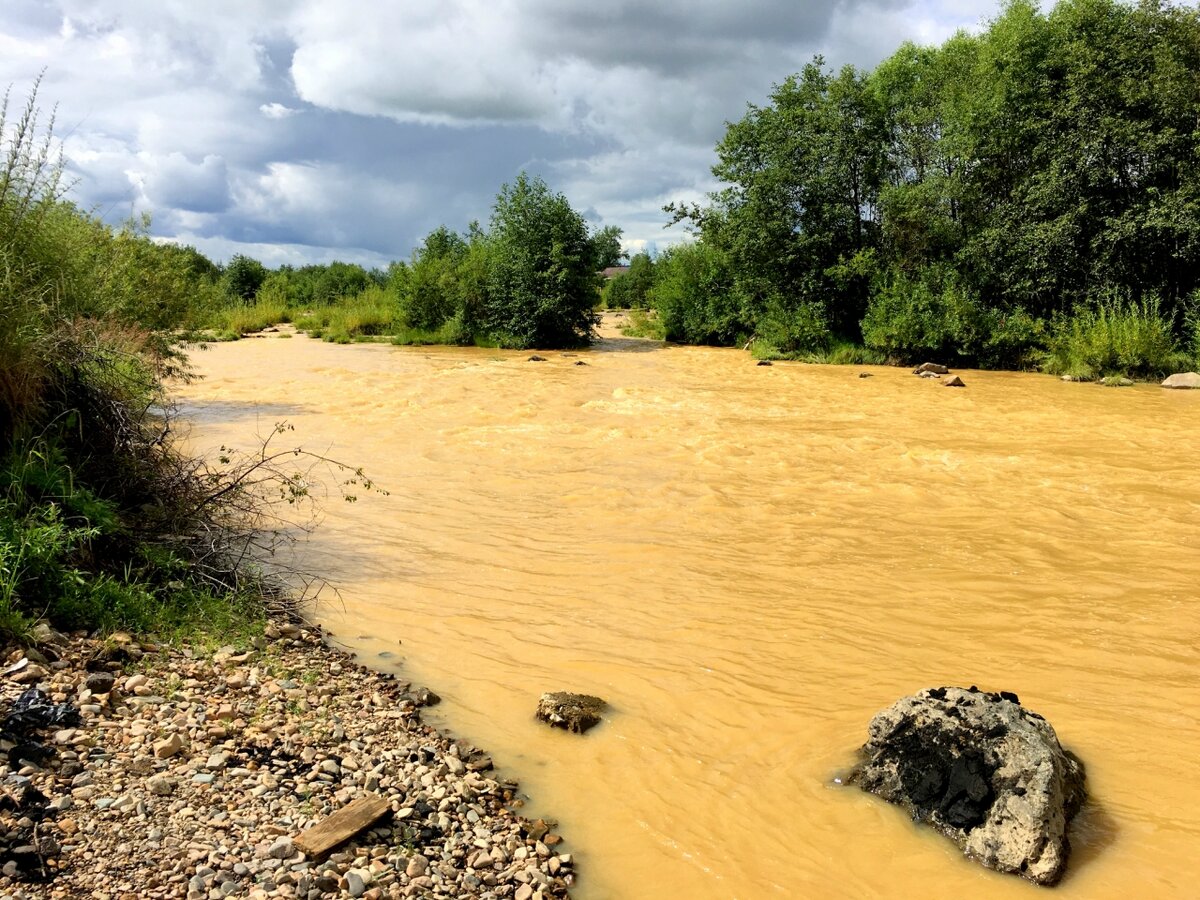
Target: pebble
194, 776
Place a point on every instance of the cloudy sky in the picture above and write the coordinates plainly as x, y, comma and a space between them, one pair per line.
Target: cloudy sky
311, 130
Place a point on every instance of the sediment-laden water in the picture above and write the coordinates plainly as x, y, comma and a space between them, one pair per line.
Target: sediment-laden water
748, 562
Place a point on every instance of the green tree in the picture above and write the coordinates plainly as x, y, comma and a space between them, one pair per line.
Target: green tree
542, 276
242, 278
631, 290
606, 245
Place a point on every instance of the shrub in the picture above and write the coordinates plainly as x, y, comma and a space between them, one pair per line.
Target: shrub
695, 298
791, 332
931, 316
1114, 336
542, 283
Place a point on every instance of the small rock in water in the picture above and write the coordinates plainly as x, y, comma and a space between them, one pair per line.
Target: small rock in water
536, 358
865, 375
1116, 381
953, 381
574, 712
765, 362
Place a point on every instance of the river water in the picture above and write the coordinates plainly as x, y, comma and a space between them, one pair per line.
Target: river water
747, 563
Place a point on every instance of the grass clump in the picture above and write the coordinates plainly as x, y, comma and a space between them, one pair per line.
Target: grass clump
645, 324
1115, 337
243, 320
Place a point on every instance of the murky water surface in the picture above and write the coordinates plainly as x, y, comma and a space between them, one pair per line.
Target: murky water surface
748, 563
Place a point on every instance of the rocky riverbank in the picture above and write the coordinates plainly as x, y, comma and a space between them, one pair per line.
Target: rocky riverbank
191, 774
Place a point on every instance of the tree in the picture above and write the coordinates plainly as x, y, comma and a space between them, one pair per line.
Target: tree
242, 278
607, 246
542, 281
631, 290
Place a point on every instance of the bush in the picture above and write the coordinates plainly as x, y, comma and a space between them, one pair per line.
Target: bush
631, 290
542, 283
1115, 336
790, 333
695, 298
930, 317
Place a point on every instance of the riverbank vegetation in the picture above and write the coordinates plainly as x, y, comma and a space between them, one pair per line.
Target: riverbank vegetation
529, 280
1025, 197
104, 524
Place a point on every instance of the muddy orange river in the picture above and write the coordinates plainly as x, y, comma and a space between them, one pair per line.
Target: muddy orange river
748, 563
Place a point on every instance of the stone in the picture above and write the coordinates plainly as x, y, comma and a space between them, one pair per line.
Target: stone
418, 865
953, 381
168, 747
765, 362
536, 358
865, 375
100, 682
1182, 381
354, 884
1116, 381
283, 848
983, 771
161, 785
931, 368
574, 712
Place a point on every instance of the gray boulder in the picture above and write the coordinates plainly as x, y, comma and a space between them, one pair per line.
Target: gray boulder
574, 712
1182, 381
982, 770
931, 368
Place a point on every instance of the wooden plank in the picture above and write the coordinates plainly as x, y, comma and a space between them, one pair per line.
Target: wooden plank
342, 825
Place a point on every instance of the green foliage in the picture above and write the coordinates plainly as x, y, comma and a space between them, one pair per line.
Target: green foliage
372, 314
695, 296
958, 198
242, 278
1115, 337
236, 321
606, 247
631, 290
931, 317
542, 283
645, 324
792, 330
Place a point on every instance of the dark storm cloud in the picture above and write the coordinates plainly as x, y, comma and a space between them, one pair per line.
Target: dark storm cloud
302, 129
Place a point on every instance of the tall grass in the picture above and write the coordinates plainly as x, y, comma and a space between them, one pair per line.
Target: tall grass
103, 524
645, 324
236, 321
373, 313
1115, 336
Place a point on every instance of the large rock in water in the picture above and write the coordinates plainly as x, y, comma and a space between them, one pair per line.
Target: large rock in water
982, 770
1182, 381
574, 712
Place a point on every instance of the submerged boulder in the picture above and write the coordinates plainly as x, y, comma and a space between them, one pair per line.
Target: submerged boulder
1183, 380
982, 770
574, 712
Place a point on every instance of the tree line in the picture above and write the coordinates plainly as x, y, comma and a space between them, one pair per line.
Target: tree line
1026, 195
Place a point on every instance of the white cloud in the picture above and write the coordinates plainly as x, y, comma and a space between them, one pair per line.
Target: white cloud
277, 111
192, 109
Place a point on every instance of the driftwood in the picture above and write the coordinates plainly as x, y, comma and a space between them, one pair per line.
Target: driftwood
342, 825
